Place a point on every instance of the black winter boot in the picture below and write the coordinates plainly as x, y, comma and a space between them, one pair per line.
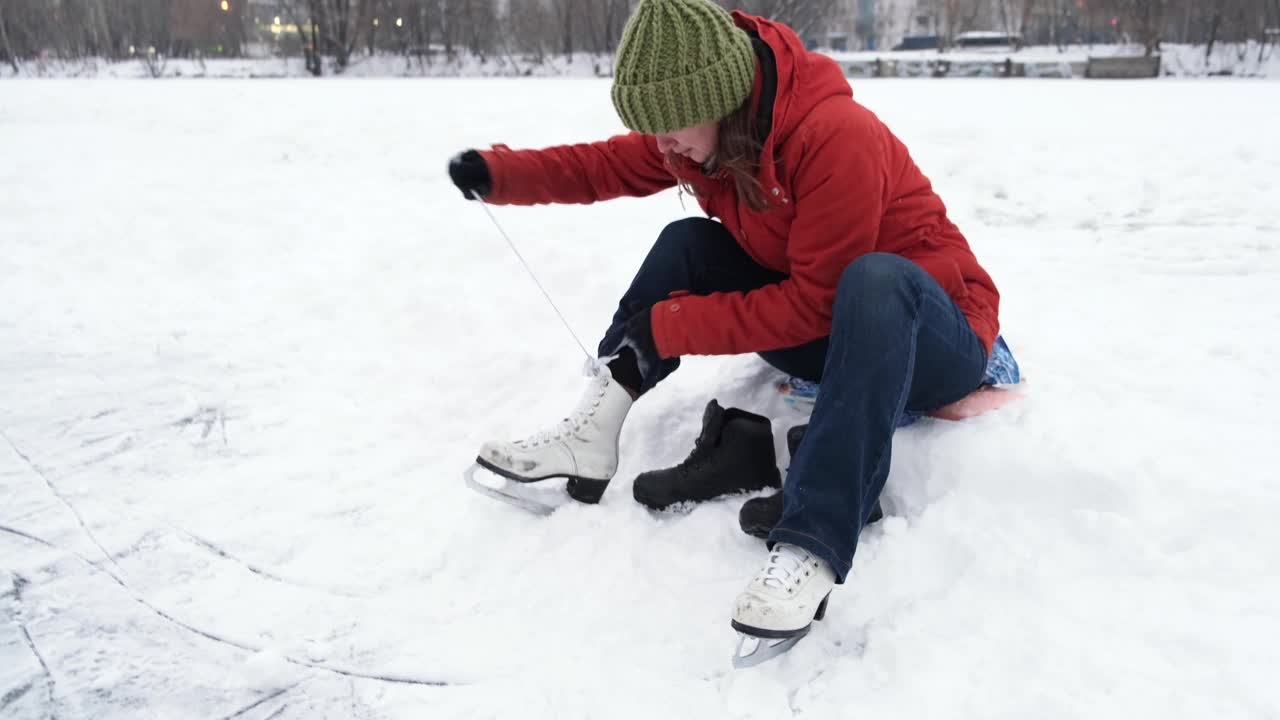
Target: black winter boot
733, 454
758, 516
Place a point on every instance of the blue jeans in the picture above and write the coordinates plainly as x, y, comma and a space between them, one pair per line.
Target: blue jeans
898, 342
701, 257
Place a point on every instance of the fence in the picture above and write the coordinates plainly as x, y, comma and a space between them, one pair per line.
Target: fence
1093, 67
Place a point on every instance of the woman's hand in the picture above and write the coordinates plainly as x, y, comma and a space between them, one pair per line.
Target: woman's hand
470, 174
639, 337
636, 357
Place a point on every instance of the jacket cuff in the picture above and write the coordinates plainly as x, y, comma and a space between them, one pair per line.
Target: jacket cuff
665, 320
497, 172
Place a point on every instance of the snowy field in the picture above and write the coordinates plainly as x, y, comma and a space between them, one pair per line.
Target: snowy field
250, 336
1178, 60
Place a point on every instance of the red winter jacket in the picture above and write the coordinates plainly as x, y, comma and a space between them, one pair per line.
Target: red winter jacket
838, 183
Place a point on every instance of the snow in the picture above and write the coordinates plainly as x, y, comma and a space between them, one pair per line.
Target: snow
1179, 60
251, 337
361, 65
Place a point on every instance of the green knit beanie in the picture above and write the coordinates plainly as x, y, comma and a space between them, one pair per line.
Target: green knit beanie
680, 63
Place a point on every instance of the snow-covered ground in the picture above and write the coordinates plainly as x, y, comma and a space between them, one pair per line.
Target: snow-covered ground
250, 336
1178, 60
1249, 59
361, 65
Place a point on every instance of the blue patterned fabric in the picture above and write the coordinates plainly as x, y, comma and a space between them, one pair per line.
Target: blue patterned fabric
1002, 369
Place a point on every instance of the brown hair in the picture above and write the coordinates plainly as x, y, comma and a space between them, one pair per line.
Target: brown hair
737, 156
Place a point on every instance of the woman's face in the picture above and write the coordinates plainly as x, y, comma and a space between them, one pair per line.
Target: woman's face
698, 143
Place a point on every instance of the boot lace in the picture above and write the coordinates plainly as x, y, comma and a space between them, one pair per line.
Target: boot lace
577, 420
787, 568
702, 449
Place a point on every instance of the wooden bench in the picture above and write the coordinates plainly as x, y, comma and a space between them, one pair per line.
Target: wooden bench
1126, 68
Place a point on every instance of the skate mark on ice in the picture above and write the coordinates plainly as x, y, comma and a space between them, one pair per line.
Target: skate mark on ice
15, 695
207, 417
182, 532
213, 636
48, 675
265, 699
58, 494
262, 572
19, 583
217, 550
98, 440
66, 426
26, 536
146, 540
125, 446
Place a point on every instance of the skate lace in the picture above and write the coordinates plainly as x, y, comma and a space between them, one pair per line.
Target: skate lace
577, 420
787, 568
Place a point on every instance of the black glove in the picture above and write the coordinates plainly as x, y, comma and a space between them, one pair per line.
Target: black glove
470, 173
639, 338
638, 357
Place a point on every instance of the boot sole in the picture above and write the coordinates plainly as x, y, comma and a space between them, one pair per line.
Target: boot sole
583, 489
654, 503
782, 634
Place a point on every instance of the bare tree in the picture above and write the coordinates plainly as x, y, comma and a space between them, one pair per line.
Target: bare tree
334, 27
449, 22
1270, 29
1061, 21
5, 45
332, 32
1141, 20
956, 17
1215, 24
479, 22
1150, 22
1015, 16
806, 17
565, 13
424, 16
530, 28
612, 19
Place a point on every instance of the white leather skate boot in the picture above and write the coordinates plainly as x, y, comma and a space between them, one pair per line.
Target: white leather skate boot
781, 603
582, 447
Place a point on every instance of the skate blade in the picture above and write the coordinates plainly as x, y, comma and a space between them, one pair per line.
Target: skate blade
530, 497
752, 650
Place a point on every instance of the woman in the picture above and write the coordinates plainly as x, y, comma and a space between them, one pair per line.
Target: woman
832, 258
